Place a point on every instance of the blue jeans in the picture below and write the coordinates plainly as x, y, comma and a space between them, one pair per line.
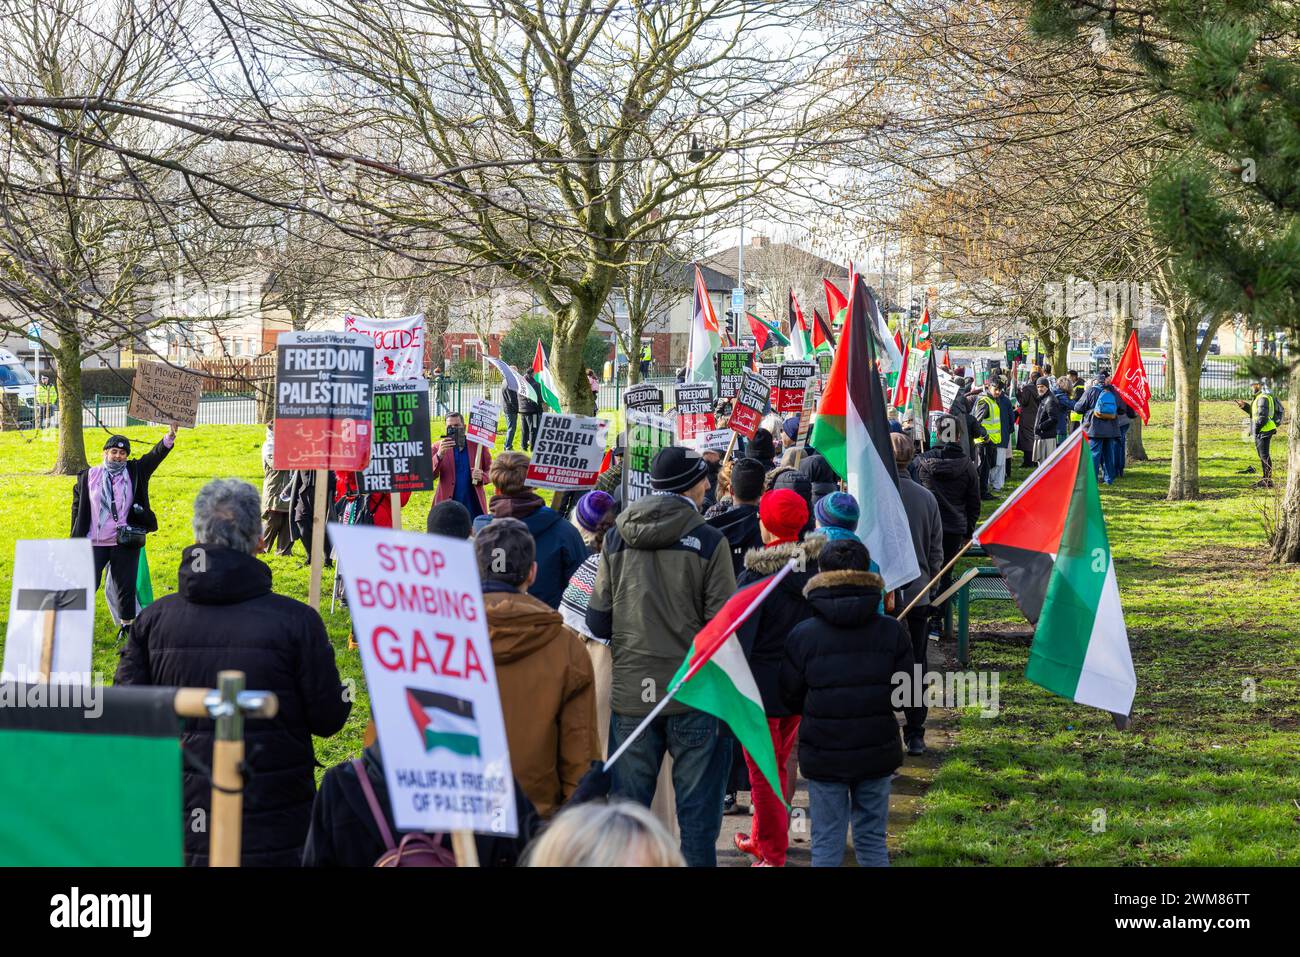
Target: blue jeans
701, 761
1121, 450
831, 804
1103, 458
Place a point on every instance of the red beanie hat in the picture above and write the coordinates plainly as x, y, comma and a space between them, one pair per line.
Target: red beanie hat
784, 514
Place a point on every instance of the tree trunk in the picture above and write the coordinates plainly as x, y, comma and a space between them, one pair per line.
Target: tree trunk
1286, 541
567, 341
71, 457
1061, 354
1184, 469
1136, 450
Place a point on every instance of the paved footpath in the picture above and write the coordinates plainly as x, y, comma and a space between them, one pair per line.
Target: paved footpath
915, 778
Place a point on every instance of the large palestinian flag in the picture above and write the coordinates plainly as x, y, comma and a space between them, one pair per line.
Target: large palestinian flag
765, 336
545, 381
801, 346
705, 339
1049, 539
852, 432
715, 678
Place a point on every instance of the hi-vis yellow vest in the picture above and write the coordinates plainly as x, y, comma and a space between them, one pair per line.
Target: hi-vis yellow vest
992, 424
1271, 424
1075, 395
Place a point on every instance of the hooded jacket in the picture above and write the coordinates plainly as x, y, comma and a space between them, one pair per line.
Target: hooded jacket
560, 548
548, 696
838, 673
1063, 409
764, 633
225, 616
665, 573
950, 474
1048, 419
739, 524
821, 475
926, 525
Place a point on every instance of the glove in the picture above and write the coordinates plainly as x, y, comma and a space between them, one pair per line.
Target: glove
595, 784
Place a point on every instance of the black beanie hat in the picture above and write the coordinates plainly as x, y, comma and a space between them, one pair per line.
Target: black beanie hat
675, 469
449, 517
747, 480
761, 446
118, 442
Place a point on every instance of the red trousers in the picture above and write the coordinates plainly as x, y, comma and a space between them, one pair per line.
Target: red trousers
771, 828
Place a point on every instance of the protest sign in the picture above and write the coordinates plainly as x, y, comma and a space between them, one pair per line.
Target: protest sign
751, 400
50, 632
166, 394
694, 408
645, 434
792, 381
644, 397
402, 457
749, 342
732, 364
399, 345
324, 384
719, 440
567, 451
811, 397
948, 387
484, 417
417, 611
771, 373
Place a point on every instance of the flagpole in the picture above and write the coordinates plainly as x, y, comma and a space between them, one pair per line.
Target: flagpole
930, 584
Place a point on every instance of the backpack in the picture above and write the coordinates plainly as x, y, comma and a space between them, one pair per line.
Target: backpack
1106, 407
416, 849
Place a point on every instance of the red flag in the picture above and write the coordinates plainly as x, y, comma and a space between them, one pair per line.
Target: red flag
836, 301
1130, 379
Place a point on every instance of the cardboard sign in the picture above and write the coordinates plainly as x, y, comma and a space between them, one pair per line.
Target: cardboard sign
402, 457
751, 400
644, 397
399, 345
732, 364
646, 433
417, 612
948, 387
694, 402
719, 440
484, 417
749, 342
811, 396
324, 388
792, 382
771, 373
567, 451
53, 586
166, 394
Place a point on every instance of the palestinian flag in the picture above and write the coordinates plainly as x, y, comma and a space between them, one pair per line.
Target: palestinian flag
837, 304
822, 336
800, 342
444, 721
900, 380
545, 381
765, 336
851, 430
705, 339
715, 678
923, 334
1049, 539
931, 397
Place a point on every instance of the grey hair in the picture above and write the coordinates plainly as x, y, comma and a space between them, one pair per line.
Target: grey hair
228, 512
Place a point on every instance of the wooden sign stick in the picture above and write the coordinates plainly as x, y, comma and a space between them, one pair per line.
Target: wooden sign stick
463, 846
318, 536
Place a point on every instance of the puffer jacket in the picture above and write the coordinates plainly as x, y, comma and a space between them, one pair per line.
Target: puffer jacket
225, 616
949, 473
665, 573
548, 695
739, 523
764, 633
819, 472
838, 673
1048, 419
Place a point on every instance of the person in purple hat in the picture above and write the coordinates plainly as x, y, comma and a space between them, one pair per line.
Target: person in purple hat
593, 516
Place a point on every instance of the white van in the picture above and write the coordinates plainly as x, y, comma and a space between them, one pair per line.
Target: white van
16, 380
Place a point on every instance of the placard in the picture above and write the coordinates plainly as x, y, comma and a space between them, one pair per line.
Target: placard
792, 381
645, 434
402, 457
771, 373
417, 612
948, 387
732, 364
645, 397
811, 396
166, 394
484, 418
55, 575
694, 401
324, 388
751, 400
567, 451
749, 342
399, 345
719, 440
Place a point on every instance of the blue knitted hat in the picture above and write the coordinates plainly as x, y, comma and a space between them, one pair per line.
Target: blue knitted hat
839, 509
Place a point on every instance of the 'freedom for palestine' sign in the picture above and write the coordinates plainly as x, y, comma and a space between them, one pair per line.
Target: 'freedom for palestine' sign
402, 457
324, 387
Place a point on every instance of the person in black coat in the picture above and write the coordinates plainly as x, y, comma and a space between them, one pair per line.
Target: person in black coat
739, 523
225, 616
839, 674
823, 478
510, 403
1028, 397
953, 480
783, 516
530, 408
98, 513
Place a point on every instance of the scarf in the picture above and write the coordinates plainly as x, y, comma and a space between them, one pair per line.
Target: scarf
111, 471
515, 506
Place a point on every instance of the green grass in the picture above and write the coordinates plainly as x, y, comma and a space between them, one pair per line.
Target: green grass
1204, 776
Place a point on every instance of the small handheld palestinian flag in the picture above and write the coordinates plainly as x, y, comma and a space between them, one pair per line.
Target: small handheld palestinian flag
765, 336
545, 381
837, 304
715, 678
1049, 539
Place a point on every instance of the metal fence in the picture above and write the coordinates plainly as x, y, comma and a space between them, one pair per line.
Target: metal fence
1220, 379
